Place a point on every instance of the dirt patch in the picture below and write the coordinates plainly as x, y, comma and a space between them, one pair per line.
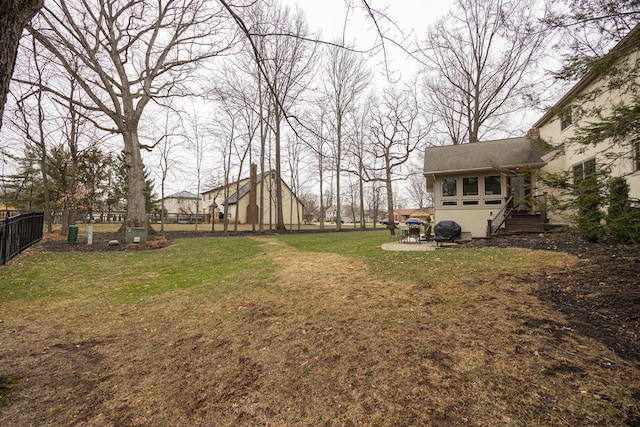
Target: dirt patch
600, 296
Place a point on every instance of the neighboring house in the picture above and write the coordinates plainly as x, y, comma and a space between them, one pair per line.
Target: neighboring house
490, 185
242, 195
183, 202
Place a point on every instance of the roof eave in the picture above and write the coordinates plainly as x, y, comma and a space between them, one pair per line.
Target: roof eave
492, 168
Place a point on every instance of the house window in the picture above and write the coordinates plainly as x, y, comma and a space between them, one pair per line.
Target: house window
449, 187
470, 186
584, 170
492, 185
566, 119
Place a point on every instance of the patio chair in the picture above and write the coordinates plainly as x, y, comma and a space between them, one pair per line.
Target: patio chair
414, 233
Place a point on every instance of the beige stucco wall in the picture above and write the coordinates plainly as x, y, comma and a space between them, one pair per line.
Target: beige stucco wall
473, 221
472, 218
623, 165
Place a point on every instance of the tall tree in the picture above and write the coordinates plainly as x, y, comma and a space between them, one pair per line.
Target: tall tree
396, 131
347, 77
289, 62
14, 16
131, 52
480, 59
168, 160
30, 120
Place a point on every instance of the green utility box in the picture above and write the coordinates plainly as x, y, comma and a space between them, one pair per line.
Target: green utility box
136, 235
72, 234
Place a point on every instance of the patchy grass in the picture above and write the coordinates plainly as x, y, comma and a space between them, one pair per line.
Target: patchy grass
299, 330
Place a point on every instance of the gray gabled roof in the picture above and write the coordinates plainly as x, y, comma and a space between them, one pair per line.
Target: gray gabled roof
497, 154
243, 191
183, 195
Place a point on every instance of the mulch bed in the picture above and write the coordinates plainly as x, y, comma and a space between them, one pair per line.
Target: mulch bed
600, 296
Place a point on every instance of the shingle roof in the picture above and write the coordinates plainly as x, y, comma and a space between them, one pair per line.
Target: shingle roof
244, 189
501, 153
183, 195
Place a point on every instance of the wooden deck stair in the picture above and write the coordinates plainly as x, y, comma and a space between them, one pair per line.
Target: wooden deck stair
523, 222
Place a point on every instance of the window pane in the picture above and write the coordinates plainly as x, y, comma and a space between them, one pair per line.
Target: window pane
492, 185
589, 168
470, 186
565, 119
449, 187
577, 173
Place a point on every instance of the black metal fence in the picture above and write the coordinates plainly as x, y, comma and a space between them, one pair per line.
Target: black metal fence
18, 232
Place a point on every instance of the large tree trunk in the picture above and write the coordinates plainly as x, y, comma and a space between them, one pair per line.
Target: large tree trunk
136, 201
14, 15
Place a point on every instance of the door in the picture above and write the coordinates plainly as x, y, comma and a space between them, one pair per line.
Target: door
520, 187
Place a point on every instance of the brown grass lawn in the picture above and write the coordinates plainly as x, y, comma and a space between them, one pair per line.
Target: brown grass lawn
451, 337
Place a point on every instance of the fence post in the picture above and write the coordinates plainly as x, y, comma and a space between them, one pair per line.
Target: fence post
5, 237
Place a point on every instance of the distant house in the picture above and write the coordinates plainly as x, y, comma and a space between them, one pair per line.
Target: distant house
401, 215
242, 198
183, 202
493, 185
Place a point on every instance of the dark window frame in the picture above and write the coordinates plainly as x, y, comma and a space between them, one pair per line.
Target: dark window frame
584, 170
566, 119
454, 187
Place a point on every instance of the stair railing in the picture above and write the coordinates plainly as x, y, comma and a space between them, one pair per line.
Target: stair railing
540, 204
498, 220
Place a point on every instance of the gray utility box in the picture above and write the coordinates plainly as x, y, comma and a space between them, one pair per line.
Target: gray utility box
136, 235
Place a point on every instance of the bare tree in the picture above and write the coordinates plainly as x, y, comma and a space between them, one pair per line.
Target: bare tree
131, 52
167, 162
397, 131
288, 63
236, 93
417, 190
347, 77
14, 16
358, 150
197, 142
29, 119
483, 54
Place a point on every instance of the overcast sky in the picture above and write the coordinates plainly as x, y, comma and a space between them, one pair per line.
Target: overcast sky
408, 21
